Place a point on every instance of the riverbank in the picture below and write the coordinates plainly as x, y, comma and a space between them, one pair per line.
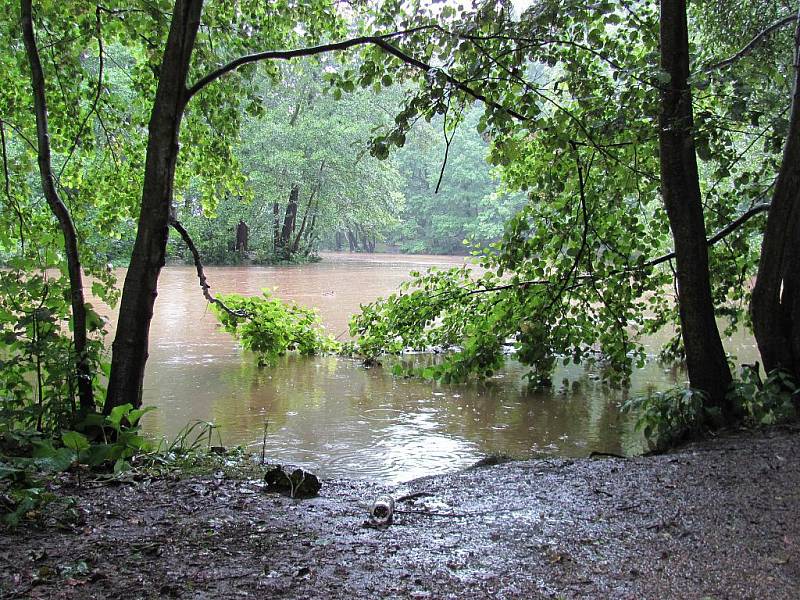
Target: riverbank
718, 520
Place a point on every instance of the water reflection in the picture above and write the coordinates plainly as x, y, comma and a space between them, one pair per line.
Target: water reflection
342, 420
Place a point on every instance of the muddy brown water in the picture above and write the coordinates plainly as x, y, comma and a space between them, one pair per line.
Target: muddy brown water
342, 420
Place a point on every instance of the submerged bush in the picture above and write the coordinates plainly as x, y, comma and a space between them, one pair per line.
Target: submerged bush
270, 327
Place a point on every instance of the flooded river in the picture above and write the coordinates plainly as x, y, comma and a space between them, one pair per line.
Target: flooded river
342, 420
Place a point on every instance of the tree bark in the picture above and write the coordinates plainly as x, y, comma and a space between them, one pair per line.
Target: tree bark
309, 235
276, 226
680, 188
289, 219
299, 235
59, 209
775, 304
140, 289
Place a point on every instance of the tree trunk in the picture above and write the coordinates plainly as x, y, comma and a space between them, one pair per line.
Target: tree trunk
775, 305
242, 235
276, 226
140, 289
59, 209
311, 204
352, 240
289, 218
309, 235
299, 235
680, 188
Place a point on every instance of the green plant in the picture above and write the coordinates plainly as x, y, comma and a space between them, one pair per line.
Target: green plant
20, 501
668, 417
194, 436
766, 403
38, 386
109, 440
99, 443
271, 327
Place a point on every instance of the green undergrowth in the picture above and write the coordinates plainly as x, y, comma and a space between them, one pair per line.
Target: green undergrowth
102, 449
671, 417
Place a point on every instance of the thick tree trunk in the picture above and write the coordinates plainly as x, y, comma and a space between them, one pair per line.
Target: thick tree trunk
352, 240
59, 209
775, 306
140, 289
680, 187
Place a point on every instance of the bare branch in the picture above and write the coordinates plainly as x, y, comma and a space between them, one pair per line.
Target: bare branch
176, 225
447, 142
7, 186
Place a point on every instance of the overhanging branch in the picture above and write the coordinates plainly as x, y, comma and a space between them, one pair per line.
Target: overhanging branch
239, 314
290, 54
718, 236
381, 41
751, 45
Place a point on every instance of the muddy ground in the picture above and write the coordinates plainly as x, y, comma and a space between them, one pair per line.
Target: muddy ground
715, 520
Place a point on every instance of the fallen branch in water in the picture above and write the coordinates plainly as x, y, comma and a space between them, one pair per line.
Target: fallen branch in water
239, 314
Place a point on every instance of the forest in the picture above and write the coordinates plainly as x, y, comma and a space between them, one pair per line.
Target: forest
601, 173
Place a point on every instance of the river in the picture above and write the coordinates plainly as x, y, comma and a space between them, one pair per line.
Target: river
339, 419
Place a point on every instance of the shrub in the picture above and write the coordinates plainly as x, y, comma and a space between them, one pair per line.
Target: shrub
270, 327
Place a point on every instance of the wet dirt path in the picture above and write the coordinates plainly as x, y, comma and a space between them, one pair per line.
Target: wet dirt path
715, 520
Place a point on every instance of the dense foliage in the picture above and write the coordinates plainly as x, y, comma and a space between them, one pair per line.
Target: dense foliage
270, 328
38, 387
570, 93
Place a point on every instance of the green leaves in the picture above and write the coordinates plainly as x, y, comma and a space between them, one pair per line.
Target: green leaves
38, 381
666, 418
74, 441
273, 328
765, 403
